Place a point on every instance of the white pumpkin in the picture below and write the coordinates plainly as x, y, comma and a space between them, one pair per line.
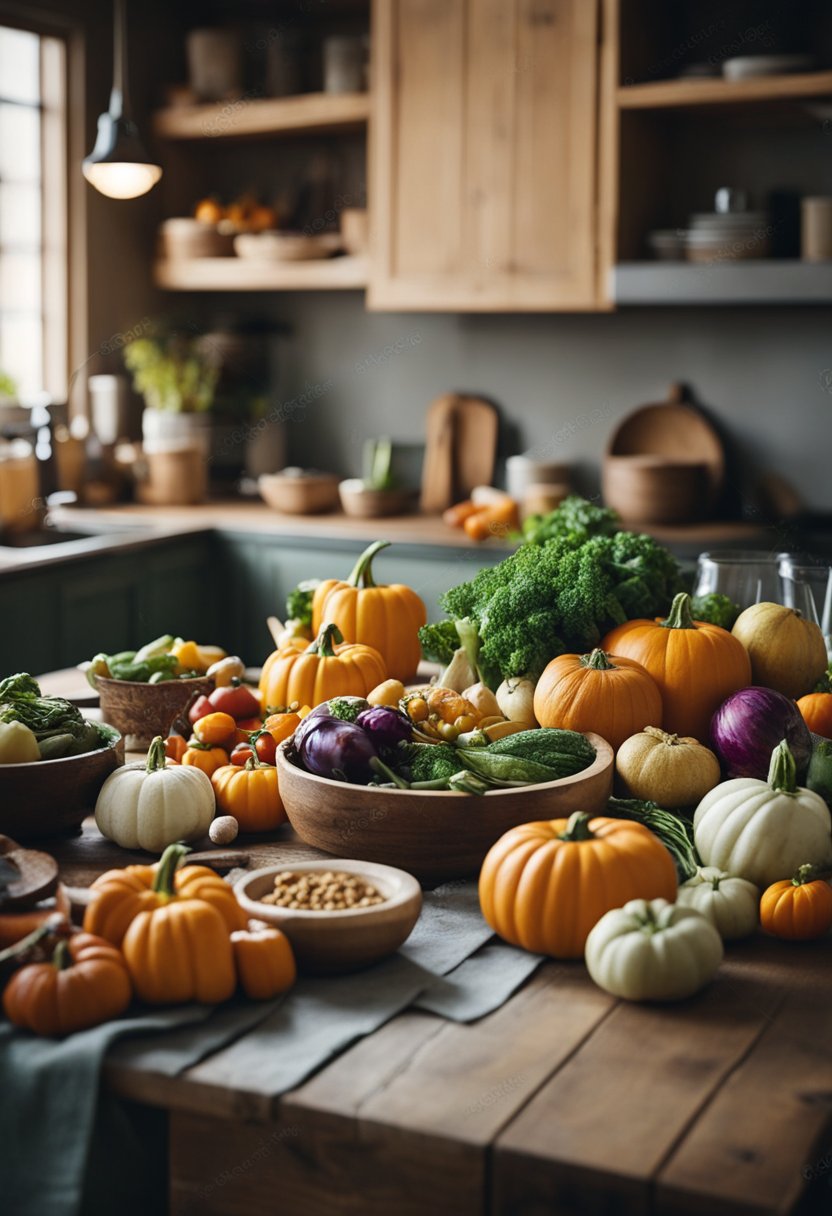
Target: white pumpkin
651, 950
763, 830
149, 806
731, 904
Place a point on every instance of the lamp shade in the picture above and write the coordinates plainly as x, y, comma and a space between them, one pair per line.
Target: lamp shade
118, 165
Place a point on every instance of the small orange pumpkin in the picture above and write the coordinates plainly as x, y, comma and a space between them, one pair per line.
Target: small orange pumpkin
204, 756
86, 983
251, 794
612, 696
328, 667
387, 617
695, 665
798, 908
120, 895
265, 962
545, 885
816, 708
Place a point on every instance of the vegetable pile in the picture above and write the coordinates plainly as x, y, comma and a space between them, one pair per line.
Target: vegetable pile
33, 727
165, 658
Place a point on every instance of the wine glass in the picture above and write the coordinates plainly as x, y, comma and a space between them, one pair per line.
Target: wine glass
744, 576
808, 588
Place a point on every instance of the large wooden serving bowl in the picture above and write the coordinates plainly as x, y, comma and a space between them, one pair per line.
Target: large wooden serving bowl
434, 834
48, 797
142, 711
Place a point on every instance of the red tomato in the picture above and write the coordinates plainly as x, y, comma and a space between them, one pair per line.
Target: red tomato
236, 700
263, 744
250, 724
199, 709
241, 753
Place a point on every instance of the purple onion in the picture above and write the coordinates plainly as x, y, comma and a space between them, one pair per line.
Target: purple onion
356, 706
748, 726
336, 749
386, 726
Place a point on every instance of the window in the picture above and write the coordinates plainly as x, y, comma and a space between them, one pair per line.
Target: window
33, 255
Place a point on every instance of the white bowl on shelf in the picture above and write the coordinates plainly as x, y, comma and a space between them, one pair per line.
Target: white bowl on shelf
747, 67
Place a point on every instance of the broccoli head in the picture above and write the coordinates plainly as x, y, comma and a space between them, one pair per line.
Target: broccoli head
575, 521
715, 608
439, 640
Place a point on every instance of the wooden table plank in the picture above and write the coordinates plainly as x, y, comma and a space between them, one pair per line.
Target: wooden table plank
600, 1130
769, 1128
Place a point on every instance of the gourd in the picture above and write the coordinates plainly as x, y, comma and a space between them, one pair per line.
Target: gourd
544, 885
731, 904
205, 757
150, 805
515, 698
763, 830
328, 667
653, 951
178, 947
251, 794
265, 962
663, 768
118, 896
816, 710
787, 652
224, 671
387, 617
615, 697
694, 664
86, 982
798, 908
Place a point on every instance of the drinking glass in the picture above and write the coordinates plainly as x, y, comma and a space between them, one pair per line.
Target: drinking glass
744, 576
808, 587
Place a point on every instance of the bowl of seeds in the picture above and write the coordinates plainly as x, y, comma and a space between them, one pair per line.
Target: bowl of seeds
340, 915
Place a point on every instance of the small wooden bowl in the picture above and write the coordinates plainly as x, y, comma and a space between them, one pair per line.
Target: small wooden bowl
336, 942
48, 797
299, 495
433, 834
655, 490
143, 711
363, 503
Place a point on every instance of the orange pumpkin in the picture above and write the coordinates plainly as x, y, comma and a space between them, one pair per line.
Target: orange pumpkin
612, 696
178, 948
250, 793
322, 670
265, 962
545, 885
798, 908
120, 895
387, 617
87, 982
816, 708
695, 665
204, 756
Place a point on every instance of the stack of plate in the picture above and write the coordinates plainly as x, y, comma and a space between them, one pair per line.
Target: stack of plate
728, 236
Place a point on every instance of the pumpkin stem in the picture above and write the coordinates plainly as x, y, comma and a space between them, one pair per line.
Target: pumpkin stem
810, 873
323, 644
167, 867
782, 773
52, 925
680, 615
62, 959
362, 572
598, 660
253, 761
656, 732
577, 827
156, 757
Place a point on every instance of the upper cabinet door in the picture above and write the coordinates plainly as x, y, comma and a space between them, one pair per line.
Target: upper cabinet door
483, 163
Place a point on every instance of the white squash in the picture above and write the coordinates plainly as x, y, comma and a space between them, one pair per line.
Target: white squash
763, 830
149, 806
731, 904
515, 698
651, 950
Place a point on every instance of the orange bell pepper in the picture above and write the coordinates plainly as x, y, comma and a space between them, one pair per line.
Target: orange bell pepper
216, 728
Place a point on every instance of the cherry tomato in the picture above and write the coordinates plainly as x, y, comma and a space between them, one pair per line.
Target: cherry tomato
241, 753
199, 709
265, 745
236, 700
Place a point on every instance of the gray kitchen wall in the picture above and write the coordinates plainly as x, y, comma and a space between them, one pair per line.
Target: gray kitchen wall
764, 374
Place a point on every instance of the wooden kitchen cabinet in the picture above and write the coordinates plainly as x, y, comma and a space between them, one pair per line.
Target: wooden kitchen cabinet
483, 155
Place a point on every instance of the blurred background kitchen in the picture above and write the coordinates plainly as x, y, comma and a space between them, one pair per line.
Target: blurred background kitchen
386, 255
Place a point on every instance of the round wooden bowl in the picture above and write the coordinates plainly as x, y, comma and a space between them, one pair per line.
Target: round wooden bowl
363, 503
48, 797
335, 942
306, 495
434, 834
143, 711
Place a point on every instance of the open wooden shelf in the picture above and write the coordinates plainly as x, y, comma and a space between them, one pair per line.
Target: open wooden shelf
769, 281
308, 113
247, 274
671, 94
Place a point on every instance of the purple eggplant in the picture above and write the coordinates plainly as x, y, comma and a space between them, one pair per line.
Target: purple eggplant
385, 726
336, 749
342, 709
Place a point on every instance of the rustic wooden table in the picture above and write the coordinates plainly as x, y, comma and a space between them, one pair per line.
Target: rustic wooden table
563, 1101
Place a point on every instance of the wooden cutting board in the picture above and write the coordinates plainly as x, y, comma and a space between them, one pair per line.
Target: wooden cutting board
460, 451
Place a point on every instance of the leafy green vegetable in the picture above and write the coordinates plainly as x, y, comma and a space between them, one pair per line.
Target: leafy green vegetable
439, 641
675, 833
576, 520
346, 709
715, 608
824, 684
299, 601
420, 762
819, 774
59, 726
561, 595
